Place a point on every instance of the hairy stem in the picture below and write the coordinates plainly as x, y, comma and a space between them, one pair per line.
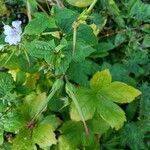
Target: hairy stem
74, 39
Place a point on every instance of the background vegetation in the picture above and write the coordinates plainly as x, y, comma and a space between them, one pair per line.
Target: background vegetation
79, 78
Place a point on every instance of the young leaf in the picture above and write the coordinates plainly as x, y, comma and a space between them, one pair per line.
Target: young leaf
100, 80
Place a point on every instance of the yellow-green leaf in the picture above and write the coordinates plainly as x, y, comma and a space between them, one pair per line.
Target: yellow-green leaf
23, 141
120, 92
44, 136
35, 103
80, 3
101, 79
110, 112
85, 98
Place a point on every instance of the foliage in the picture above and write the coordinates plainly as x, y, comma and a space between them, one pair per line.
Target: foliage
79, 78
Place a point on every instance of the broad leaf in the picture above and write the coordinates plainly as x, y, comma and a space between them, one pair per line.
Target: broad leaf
85, 33
86, 68
80, 3
120, 92
65, 15
6, 83
110, 112
70, 130
86, 101
43, 135
13, 121
100, 80
98, 125
35, 103
40, 23
82, 51
23, 141
40, 49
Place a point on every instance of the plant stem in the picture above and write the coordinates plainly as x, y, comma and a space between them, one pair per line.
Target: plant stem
29, 11
74, 38
91, 6
77, 23
48, 5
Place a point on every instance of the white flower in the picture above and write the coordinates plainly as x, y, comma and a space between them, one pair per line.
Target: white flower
13, 34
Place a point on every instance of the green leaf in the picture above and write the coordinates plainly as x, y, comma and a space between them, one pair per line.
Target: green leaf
6, 83
98, 125
85, 33
141, 7
82, 51
23, 141
34, 103
25, 66
146, 41
65, 15
85, 98
103, 47
1, 135
52, 120
120, 73
70, 130
43, 135
40, 49
120, 92
101, 80
80, 3
109, 111
40, 23
144, 112
3, 8
13, 121
70, 90
133, 137
114, 11
120, 38
63, 65
86, 68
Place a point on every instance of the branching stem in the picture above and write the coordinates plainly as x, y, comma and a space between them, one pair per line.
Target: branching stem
81, 18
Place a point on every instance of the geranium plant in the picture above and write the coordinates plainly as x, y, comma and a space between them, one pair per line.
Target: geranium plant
62, 84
